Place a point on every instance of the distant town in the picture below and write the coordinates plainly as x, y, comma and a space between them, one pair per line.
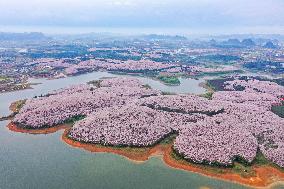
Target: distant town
25, 55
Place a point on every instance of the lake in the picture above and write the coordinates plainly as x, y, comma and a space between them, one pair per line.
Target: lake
45, 162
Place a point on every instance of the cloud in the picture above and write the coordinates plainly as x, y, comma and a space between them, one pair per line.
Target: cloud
143, 13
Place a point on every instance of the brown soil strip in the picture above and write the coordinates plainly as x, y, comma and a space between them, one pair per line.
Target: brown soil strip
15, 128
265, 175
135, 154
16, 106
205, 86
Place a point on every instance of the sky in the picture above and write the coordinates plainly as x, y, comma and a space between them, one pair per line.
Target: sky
239, 16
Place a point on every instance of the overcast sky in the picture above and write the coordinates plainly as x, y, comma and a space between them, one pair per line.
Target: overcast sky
197, 15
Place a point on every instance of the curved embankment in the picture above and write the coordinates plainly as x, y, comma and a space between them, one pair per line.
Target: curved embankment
134, 154
264, 175
15, 128
14, 108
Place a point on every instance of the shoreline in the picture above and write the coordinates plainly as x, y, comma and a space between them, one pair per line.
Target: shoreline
133, 154
28, 86
264, 179
265, 176
14, 108
206, 86
13, 127
10, 91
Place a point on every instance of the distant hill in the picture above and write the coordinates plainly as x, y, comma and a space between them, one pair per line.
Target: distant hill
163, 37
234, 43
251, 36
270, 45
230, 43
22, 36
248, 42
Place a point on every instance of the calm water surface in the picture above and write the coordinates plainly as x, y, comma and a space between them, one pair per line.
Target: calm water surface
45, 162
186, 86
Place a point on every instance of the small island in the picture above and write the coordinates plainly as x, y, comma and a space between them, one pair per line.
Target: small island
169, 80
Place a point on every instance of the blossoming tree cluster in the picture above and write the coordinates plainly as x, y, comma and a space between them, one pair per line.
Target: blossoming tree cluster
254, 85
121, 112
116, 65
140, 66
83, 99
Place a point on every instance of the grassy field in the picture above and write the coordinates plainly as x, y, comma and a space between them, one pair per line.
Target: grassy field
279, 110
245, 170
171, 80
3, 78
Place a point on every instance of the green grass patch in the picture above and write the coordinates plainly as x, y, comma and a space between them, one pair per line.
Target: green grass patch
171, 80
146, 86
239, 166
278, 110
243, 170
168, 140
18, 105
261, 160
208, 95
168, 93
96, 83
74, 119
181, 160
221, 73
2, 78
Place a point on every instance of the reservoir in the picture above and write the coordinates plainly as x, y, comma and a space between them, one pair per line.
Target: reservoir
46, 162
